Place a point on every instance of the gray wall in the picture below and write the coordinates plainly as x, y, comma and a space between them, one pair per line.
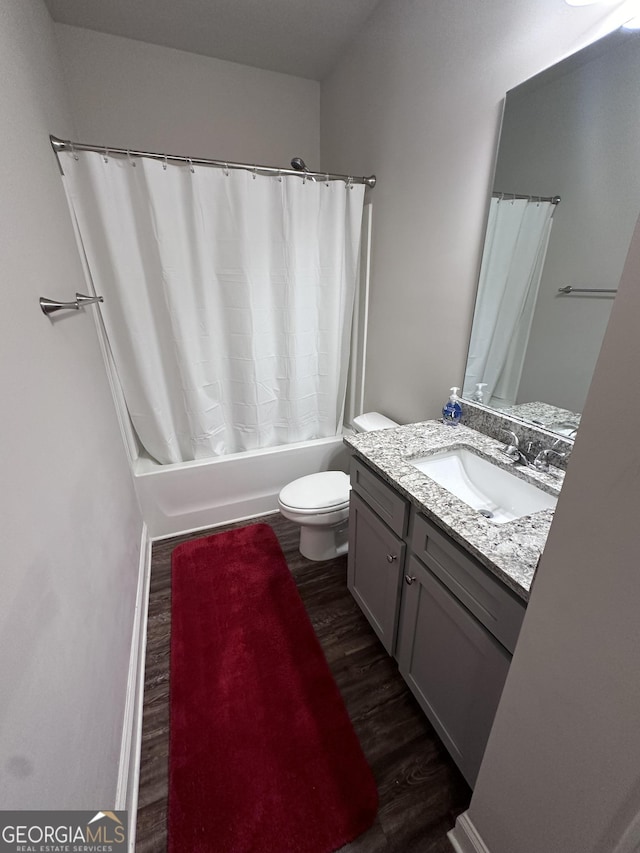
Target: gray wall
71, 528
562, 767
129, 94
417, 100
576, 137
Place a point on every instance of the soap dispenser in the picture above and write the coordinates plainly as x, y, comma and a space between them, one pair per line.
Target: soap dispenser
478, 394
452, 411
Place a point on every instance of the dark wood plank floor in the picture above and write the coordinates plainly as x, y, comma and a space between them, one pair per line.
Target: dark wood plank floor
421, 791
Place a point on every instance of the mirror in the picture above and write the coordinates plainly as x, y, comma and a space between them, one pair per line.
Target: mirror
572, 131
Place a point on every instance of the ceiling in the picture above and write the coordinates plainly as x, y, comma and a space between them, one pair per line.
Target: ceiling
301, 37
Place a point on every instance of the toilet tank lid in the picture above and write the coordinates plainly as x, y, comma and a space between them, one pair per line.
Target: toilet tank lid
370, 421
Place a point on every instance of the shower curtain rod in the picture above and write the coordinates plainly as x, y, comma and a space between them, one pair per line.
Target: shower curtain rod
66, 145
554, 199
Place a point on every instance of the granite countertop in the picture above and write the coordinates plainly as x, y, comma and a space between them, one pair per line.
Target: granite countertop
543, 413
511, 550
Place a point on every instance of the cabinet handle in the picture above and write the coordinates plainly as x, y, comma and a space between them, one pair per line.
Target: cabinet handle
391, 558
409, 579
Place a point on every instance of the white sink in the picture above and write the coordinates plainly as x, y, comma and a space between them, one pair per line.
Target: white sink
496, 493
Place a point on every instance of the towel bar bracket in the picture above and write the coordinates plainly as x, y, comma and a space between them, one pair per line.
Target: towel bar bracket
49, 306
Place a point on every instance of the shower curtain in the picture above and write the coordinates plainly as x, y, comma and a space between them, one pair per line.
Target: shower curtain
515, 248
228, 298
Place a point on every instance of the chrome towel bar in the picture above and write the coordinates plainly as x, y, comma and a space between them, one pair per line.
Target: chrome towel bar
48, 306
569, 289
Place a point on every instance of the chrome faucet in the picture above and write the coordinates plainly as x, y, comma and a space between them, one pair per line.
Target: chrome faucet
512, 450
541, 461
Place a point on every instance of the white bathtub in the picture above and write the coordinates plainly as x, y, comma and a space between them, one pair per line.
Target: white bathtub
194, 495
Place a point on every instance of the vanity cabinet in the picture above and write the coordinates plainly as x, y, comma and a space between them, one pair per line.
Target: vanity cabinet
454, 667
374, 570
493, 604
376, 551
451, 624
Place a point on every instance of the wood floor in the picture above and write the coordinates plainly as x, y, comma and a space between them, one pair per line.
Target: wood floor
421, 791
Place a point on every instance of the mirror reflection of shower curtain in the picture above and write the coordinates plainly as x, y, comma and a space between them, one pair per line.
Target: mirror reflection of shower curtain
515, 247
228, 299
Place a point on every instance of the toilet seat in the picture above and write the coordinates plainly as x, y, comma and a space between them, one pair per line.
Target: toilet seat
302, 511
315, 494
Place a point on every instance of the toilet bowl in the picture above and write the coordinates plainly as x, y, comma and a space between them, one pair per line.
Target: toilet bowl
319, 503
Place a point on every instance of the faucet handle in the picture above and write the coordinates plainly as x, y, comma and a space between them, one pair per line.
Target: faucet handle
542, 459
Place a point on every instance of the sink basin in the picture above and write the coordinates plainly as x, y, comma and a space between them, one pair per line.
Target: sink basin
497, 494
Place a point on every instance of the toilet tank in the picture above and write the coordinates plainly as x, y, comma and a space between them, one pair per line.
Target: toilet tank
370, 421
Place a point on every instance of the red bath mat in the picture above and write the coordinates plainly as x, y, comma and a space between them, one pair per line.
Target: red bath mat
263, 757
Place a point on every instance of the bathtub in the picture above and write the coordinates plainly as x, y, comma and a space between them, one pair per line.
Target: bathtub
194, 495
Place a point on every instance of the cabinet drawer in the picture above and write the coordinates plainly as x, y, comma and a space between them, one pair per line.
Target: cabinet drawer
382, 499
495, 606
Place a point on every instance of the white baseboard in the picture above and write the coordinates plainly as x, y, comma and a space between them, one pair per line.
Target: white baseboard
465, 838
129, 770
206, 527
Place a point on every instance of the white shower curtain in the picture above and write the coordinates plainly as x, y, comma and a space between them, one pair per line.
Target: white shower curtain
228, 298
515, 247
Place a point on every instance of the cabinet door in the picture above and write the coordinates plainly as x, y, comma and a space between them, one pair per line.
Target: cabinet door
454, 666
374, 570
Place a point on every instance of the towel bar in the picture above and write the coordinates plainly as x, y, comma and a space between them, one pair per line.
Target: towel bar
570, 289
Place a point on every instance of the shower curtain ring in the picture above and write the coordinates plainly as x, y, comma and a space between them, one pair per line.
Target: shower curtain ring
105, 156
226, 170
349, 183
190, 162
74, 152
254, 172
132, 162
326, 177
279, 176
164, 163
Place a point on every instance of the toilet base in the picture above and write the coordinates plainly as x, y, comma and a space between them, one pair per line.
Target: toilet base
324, 543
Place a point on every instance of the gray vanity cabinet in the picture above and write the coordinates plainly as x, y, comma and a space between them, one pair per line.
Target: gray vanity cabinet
458, 628
451, 623
374, 570
377, 522
454, 667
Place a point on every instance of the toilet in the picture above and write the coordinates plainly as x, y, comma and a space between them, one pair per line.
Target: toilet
319, 503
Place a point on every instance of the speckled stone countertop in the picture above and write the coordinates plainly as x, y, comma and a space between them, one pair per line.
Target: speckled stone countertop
544, 414
511, 551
